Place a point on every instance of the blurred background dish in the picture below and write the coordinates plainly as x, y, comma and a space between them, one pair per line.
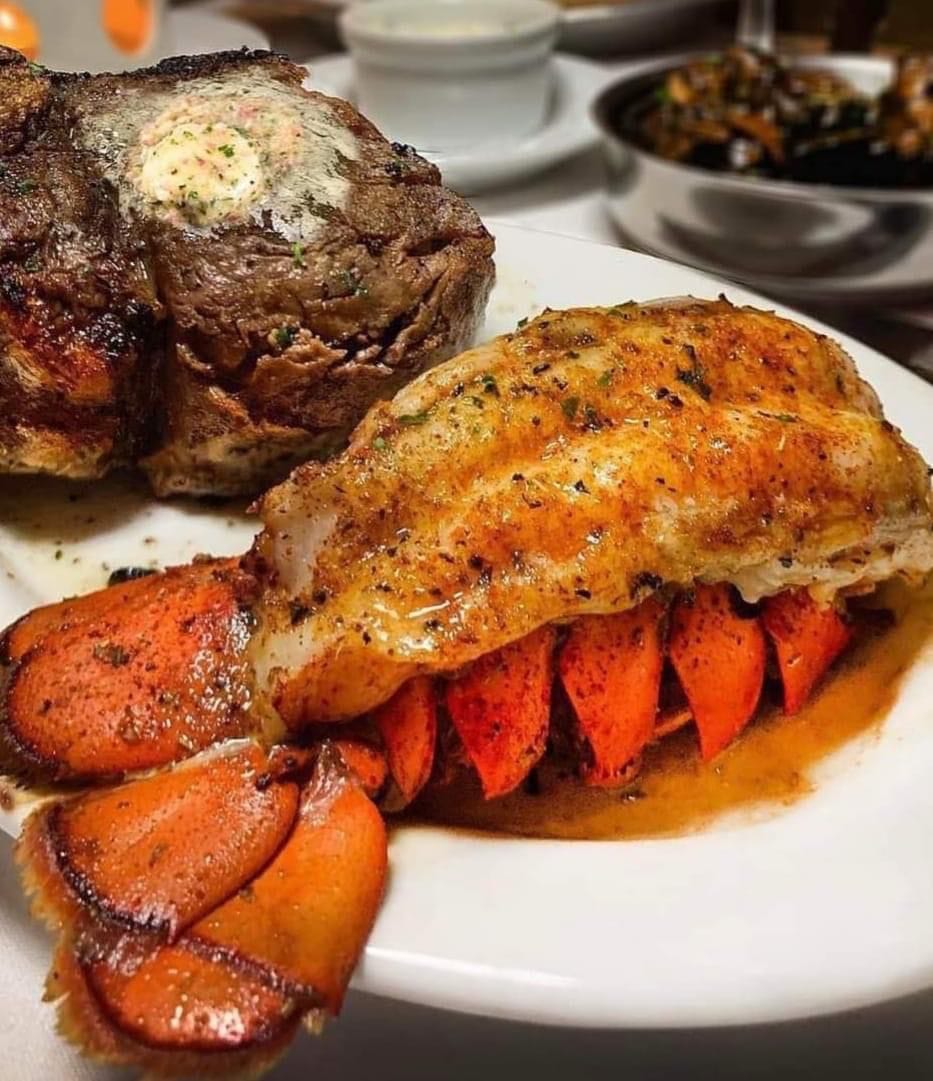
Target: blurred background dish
432, 74
622, 27
749, 113
813, 241
193, 30
117, 35
86, 34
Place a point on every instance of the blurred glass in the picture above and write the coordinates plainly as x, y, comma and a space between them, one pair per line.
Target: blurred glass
85, 35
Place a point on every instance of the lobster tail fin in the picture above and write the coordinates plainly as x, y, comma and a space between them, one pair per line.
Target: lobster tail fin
129, 678
232, 1023
155, 854
223, 989
307, 916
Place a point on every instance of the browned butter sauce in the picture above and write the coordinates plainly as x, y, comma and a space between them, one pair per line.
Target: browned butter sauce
768, 767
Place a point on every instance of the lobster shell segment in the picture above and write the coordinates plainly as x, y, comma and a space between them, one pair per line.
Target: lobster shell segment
408, 726
184, 1011
128, 678
719, 656
226, 996
501, 709
366, 761
807, 638
611, 667
156, 854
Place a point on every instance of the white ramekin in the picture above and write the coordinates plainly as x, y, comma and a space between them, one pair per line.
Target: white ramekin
445, 75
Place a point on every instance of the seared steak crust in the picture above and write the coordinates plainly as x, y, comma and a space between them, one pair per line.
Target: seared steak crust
78, 315
217, 356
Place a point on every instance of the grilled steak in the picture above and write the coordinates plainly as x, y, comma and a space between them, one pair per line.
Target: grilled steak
209, 270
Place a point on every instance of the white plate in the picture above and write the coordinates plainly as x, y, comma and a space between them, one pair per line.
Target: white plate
567, 132
823, 906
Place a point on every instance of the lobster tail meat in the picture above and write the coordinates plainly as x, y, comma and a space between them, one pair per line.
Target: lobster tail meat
129, 678
408, 726
611, 667
807, 637
230, 989
501, 710
569, 469
719, 656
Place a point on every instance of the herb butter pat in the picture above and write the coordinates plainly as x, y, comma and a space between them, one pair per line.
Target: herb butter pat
210, 153
207, 171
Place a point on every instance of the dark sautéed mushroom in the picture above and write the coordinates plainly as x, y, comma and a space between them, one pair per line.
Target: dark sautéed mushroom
747, 113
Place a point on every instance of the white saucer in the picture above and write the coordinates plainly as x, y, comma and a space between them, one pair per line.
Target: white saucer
568, 131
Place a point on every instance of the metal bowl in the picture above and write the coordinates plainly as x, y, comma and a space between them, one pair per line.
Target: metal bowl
637, 26
812, 242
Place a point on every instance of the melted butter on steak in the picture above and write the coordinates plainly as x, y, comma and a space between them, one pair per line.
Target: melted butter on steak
201, 173
211, 152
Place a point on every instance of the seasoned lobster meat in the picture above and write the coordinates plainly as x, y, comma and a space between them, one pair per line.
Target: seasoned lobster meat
573, 468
